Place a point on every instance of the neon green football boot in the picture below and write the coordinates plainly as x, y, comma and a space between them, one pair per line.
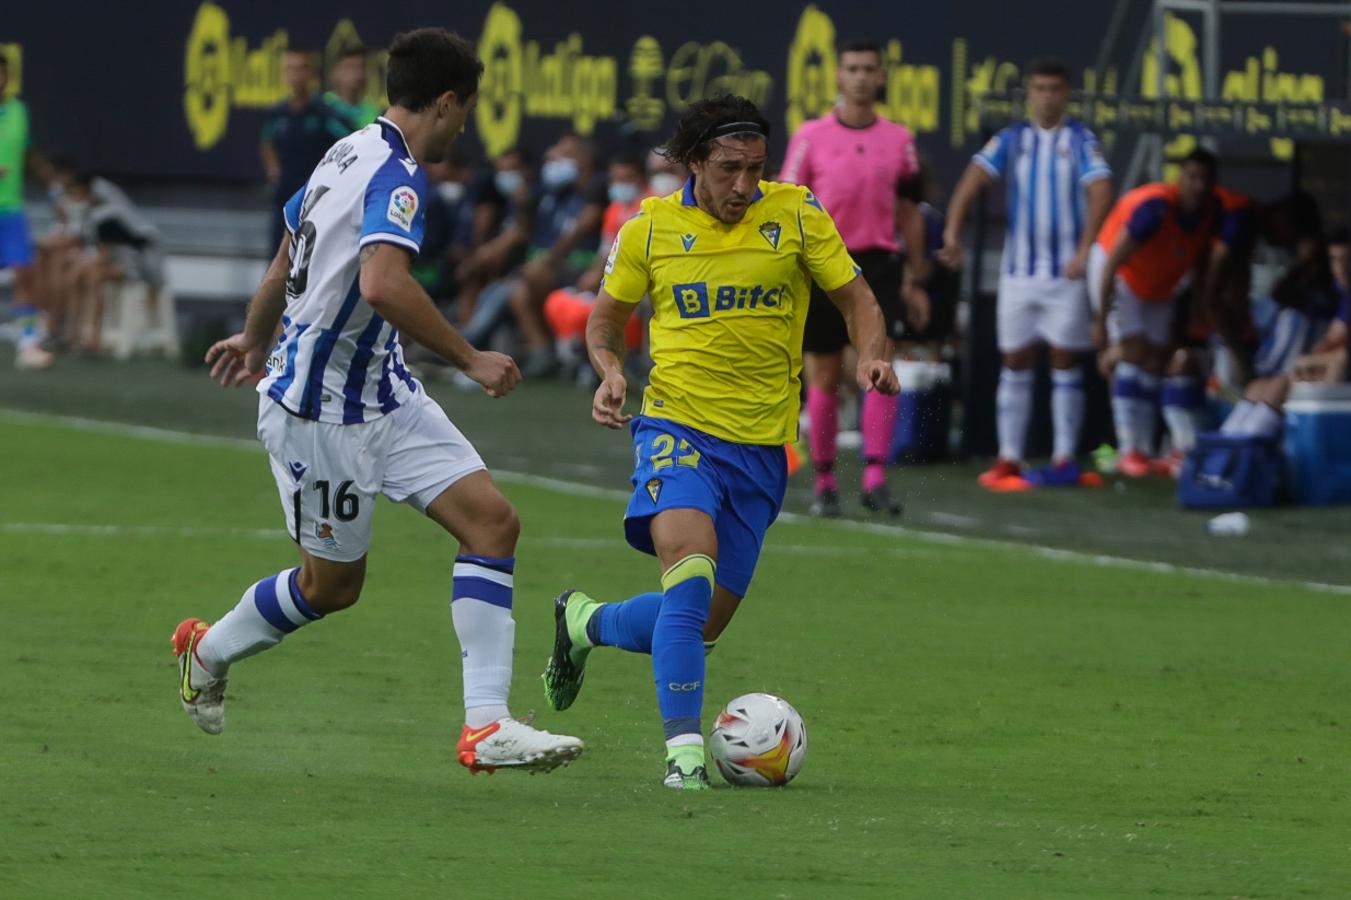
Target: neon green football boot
567, 666
685, 768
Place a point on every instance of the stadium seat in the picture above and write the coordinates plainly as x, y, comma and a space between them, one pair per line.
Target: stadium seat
130, 324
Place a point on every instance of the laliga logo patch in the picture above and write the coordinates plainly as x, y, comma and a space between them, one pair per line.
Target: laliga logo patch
771, 231
654, 488
402, 207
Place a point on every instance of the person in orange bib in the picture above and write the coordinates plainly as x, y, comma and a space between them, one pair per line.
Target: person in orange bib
1145, 251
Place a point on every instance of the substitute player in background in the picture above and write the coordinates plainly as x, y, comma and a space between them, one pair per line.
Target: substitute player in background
858, 163
343, 421
1059, 191
1148, 246
16, 247
728, 264
1220, 307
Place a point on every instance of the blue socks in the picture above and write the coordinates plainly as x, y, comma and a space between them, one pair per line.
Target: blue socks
678, 644
627, 625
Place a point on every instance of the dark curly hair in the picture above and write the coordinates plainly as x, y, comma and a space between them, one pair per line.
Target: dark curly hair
696, 130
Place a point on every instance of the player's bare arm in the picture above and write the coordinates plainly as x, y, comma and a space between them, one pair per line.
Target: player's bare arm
1125, 247
241, 357
867, 332
972, 182
1099, 196
605, 348
388, 285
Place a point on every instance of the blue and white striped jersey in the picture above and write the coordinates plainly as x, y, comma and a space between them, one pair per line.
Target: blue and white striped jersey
1046, 171
337, 360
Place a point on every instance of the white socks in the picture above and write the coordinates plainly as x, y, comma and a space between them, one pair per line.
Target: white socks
1013, 408
1135, 398
481, 611
1184, 401
1255, 419
1067, 410
268, 611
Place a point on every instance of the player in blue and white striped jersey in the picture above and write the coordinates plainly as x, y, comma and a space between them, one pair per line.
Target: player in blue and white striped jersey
1059, 192
343, 421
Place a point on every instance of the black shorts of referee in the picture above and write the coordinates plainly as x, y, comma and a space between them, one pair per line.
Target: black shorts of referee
826, 331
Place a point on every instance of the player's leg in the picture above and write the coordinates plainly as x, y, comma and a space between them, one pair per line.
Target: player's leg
434, 468
1135, 381
1018, 313
1259, 412
16, 254
1067, 331
269, 610
687, 545
823, 372
877, 419
754, 480
825, 335
536, 280
327, 491
486, 526
1183, 398
629, 625
667, 476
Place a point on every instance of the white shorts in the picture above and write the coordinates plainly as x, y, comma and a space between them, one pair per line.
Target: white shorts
329, 475
1035, 310
1130, 316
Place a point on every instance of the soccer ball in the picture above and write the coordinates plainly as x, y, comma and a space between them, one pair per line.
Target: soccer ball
759, 741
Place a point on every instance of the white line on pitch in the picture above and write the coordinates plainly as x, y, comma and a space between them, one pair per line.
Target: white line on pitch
585, 490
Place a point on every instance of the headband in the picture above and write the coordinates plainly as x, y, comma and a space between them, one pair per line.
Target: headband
730, 128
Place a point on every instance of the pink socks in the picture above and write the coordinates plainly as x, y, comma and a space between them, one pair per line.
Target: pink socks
823, 413
878, 422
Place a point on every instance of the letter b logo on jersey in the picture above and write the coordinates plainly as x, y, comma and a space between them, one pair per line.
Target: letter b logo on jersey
691, 300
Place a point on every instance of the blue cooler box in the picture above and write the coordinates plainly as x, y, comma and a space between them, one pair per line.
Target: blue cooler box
923, 412
1318, 443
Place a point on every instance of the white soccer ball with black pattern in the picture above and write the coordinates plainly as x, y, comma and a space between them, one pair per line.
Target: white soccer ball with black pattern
759, 740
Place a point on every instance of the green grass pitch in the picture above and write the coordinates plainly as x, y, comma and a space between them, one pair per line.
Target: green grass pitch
984, 722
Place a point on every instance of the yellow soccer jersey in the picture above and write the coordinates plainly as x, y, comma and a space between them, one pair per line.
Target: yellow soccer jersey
729, 304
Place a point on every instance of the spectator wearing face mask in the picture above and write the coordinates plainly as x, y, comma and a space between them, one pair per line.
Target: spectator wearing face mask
664, 177
568, 209
566, 308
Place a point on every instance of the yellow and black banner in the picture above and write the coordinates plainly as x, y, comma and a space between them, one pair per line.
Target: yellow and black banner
175, 89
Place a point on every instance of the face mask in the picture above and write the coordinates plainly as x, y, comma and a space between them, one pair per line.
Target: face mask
664, 183
557, 173
623, 192
508, 182
451, 191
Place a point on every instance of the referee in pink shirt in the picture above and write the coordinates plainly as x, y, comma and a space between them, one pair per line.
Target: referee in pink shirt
855, 162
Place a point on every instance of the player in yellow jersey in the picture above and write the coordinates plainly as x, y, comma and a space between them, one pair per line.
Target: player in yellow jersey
728, 262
